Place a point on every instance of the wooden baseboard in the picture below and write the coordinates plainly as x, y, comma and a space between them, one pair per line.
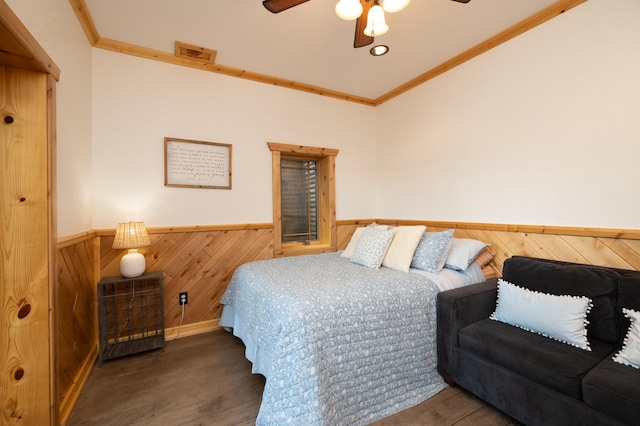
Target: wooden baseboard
80, 380
191, 329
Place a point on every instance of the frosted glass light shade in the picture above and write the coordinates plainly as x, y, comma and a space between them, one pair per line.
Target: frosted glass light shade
132, 264
349, 9
376, 24
394, 5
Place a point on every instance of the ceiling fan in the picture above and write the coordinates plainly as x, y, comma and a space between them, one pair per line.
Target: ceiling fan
364, 33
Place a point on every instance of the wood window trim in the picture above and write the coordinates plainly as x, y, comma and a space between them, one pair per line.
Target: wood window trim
327, 232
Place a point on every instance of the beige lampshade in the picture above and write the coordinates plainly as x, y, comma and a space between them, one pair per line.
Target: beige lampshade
131, 235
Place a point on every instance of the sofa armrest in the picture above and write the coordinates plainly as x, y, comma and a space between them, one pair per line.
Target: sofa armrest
455, 310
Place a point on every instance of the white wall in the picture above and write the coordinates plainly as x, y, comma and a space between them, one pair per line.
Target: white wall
138, 102
544, 129
56, 28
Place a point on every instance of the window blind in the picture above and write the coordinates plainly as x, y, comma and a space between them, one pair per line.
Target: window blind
299, 203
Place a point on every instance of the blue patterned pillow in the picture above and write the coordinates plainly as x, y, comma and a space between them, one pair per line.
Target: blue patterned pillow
372, 247
348, 252
432, 251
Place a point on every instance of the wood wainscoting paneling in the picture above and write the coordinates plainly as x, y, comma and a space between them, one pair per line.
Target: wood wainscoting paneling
197, 260
201, 260
618, 248
77, 324
604, 251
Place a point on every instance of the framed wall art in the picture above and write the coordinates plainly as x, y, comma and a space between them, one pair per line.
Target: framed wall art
197, 164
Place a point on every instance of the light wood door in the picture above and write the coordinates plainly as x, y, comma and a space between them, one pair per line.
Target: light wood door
27, 361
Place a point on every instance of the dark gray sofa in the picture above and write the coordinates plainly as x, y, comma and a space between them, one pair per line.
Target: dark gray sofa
532, 378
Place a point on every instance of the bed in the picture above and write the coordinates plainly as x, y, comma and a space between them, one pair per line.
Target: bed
338, 342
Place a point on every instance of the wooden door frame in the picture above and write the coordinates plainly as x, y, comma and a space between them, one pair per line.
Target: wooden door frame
30, 304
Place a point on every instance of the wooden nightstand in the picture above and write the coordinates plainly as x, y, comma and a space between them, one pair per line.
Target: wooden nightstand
130, 315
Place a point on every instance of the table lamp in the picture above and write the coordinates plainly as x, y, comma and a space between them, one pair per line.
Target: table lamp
130, 236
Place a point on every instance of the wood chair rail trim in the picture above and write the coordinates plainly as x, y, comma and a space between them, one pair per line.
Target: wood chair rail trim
633, 234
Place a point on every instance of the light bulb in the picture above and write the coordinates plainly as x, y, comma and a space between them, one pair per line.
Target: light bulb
379, 50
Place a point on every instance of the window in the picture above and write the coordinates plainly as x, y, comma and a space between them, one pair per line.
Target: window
304, 216
299, 200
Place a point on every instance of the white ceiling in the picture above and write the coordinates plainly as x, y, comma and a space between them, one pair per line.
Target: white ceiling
309, 43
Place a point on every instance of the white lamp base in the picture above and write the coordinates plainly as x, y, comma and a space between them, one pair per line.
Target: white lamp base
132, 264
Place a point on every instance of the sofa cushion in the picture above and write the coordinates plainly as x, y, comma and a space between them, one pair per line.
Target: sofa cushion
554, 277
629, 290
613, 389
630, 352
628, 296
545, 361
562, 318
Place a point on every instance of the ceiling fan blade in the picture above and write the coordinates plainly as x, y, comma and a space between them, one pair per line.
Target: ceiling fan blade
462, 1
275, 6
361, 39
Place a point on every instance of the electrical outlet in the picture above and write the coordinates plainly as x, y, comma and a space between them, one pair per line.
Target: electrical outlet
183, 298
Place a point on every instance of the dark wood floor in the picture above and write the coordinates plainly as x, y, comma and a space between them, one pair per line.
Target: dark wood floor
206, 380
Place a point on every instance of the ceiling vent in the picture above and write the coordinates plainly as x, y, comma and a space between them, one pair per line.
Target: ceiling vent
196, 53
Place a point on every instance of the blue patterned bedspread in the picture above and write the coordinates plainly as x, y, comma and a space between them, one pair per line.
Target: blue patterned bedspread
338, 343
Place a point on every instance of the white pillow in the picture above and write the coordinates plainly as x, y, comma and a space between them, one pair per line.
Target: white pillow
372, 247
432, 251
630, 352
563, 318
403, 246
355, 237
463, 252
